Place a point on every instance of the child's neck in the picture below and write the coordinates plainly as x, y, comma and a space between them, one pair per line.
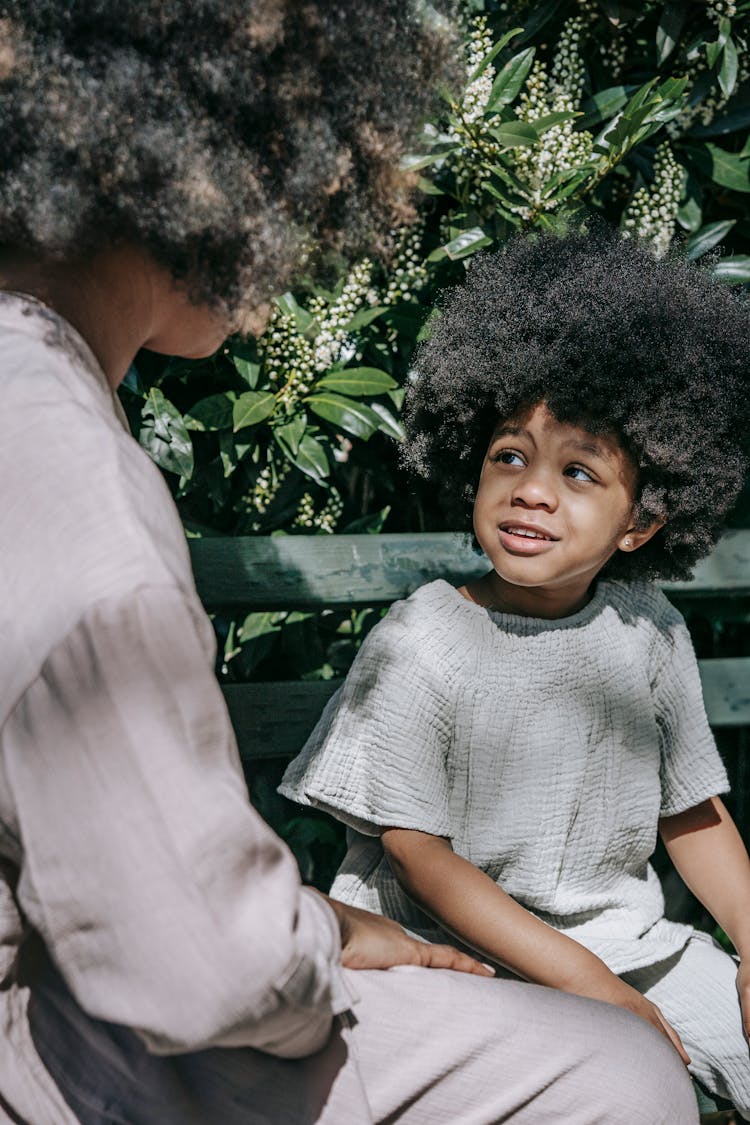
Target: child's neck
493, 592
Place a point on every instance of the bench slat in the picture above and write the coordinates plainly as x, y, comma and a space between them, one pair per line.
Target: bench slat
312, 572
273, 720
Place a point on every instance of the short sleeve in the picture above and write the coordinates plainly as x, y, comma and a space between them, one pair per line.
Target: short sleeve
377, 757
691, 768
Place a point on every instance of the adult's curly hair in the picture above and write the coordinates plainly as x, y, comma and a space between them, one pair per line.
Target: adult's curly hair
655, 352
213, 133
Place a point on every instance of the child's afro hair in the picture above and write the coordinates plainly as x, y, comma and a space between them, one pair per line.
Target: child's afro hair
213, 133
655, 352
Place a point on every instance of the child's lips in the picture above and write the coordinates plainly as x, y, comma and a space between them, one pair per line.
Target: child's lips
525, 539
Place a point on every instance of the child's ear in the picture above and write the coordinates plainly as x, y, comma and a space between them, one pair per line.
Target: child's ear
638, 534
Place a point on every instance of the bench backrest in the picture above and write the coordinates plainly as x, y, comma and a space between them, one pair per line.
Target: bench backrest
236, 576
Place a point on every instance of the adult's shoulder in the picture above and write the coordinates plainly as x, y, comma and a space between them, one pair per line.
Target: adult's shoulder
84, 514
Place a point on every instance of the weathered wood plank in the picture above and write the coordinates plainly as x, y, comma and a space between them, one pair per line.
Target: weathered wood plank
310, 572
726, 691
274, 720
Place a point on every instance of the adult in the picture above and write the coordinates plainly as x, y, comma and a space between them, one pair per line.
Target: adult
160, 961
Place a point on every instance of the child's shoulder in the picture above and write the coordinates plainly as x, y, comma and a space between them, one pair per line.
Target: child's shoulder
428, 624
642, 605
431, 609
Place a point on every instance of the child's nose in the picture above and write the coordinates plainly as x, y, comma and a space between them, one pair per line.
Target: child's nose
535, 490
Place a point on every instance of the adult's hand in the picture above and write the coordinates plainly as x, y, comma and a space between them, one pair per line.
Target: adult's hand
370, 941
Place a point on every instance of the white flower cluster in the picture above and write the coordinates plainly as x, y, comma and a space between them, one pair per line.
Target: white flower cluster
408, 273
721, 9
267, 484
614, 53
332, 343
477, 93
289, 359
568, 71
561, 147
326, 519
651, 213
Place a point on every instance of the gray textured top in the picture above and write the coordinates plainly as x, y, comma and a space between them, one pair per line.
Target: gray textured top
545, 750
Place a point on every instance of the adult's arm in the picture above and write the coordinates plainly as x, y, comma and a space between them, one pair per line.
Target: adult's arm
470, 905
166, 902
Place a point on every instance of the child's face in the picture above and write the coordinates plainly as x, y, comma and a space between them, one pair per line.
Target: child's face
554, 503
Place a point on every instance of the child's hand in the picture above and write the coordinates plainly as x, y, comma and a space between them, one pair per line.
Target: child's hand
743, 988
370, 941
626, 997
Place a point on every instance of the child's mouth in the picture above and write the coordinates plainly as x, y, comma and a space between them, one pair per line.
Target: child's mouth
522, 537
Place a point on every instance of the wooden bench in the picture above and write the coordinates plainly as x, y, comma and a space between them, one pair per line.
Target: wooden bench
316, 573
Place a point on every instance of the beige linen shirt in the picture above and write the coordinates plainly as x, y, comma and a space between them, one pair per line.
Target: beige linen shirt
165, 901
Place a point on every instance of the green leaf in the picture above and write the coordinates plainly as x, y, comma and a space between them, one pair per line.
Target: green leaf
413, 161
728, 68
428, 188
729, 169
212, 413
542, 124
368, 525
258, 625
364, 317
301, 317
690, 214
735, 270
713, 50
164, 435
354, 417
466, 243
736, 118
511, 78
669, 30
604, 105
311, 459
388, 424
252, 407
491, 55
538, 15
512, 134
249, 371
228, 452
707, 237
132, 381
566, 183
359, 381
290, 434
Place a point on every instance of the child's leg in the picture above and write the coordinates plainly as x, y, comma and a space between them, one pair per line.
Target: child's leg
696, 991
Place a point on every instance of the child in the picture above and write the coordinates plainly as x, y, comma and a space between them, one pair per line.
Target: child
505, 753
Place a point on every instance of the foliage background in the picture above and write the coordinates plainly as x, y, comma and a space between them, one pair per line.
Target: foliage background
638, 112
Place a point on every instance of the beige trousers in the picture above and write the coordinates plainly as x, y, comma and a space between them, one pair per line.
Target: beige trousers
420, 1047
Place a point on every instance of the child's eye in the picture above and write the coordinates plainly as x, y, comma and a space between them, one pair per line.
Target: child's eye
508, 457
577, 472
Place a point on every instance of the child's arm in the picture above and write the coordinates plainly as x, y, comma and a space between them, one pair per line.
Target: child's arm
707, 850
468, 904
